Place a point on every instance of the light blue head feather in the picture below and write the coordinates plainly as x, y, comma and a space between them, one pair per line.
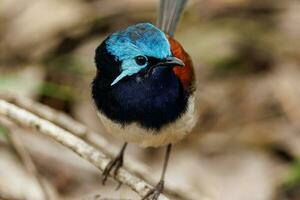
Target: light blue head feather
141, 39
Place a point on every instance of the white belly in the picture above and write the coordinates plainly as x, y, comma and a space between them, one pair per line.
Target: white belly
172, 133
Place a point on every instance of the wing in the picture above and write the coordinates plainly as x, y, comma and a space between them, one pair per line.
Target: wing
186, 74
169, 14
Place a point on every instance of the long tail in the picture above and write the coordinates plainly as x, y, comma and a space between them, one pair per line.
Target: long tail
169, 14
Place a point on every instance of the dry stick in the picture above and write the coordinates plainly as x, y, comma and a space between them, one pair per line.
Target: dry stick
84, 150
23, 154
7, 197
68, 123
59, 118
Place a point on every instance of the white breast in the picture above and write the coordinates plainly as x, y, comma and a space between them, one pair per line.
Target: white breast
172, 133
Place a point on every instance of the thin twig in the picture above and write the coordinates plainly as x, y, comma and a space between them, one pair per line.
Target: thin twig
23, 154
7, 197
43, 111
80, 147
180, 192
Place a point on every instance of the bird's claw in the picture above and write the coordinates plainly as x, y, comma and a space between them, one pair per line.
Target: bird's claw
115, 165
155, 192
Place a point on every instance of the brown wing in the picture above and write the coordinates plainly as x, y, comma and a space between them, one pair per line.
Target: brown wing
186, 74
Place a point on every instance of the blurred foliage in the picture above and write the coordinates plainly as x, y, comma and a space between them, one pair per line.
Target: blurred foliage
3, 133
61, 92
293, 177
68, 65
64, 76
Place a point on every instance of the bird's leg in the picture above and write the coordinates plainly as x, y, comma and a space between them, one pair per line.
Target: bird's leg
114, 164
158, 189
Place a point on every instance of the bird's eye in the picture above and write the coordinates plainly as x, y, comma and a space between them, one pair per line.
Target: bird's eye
141, 60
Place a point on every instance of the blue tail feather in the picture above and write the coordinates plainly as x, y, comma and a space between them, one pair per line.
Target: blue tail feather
169, 14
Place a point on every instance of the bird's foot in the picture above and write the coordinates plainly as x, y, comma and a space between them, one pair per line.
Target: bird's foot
115, 165
154, 193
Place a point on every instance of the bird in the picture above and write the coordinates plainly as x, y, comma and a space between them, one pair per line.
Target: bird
144, 88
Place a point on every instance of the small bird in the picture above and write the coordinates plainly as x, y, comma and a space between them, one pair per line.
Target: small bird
144, 87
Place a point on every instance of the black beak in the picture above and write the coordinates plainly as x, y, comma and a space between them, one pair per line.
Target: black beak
167, 62
172, 62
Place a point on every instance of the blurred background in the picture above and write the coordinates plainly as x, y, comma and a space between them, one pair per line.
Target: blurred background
246, 53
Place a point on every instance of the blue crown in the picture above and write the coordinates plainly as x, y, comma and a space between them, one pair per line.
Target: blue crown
143, 38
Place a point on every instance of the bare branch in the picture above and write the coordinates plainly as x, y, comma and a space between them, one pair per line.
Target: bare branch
84, 150
99, 142
43, 111
7, 197
23, 154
